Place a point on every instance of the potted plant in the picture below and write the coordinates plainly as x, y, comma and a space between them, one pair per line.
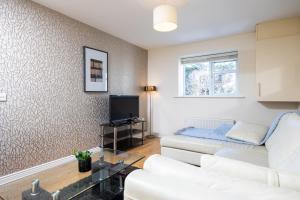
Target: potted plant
84, 160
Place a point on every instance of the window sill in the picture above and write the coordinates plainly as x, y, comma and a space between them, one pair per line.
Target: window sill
214, 97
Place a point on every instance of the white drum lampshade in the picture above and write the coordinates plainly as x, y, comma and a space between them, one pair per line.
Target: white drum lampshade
164, 18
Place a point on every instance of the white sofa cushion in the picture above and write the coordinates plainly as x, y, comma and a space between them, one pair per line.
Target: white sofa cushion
248, 132
291, 163
240, 169
255, 157
201, 145
284, 144
289, 180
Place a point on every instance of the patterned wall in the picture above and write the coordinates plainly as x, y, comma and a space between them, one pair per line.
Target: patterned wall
47, 114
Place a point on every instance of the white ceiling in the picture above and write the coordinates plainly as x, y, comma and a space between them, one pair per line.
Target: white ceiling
131, 20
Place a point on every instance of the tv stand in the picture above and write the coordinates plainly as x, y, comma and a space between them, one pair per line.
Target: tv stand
125, 135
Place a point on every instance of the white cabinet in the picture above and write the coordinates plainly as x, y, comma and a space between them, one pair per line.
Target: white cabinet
278, 60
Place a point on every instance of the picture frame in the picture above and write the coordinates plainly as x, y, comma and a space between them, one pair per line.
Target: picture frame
95, 70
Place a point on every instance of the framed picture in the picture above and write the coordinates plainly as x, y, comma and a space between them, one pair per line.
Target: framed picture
95, 70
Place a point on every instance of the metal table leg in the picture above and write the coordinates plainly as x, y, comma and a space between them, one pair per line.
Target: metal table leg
102, 136
130, 134
143, 132
121, 183
115, 138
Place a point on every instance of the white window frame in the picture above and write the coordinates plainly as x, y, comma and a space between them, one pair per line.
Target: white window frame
181, 79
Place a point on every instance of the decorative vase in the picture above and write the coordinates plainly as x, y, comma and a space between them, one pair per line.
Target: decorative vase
85, 165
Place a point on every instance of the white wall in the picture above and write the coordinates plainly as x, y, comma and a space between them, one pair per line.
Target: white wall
170, 111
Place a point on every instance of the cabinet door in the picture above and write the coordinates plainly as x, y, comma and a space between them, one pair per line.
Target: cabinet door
278, 69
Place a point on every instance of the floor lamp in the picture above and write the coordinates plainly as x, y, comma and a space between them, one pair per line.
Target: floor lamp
149, 90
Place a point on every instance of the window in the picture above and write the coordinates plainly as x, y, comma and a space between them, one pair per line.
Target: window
209, 75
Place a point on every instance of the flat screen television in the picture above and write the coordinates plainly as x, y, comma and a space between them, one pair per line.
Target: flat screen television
123, 108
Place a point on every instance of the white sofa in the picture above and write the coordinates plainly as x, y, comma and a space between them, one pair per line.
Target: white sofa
236, 171
189, 149
167, 179
279, 151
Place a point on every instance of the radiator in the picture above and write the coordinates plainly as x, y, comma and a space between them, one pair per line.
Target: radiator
207, 123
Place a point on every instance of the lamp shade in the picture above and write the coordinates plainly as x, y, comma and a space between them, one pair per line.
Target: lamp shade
164, 18
150, 88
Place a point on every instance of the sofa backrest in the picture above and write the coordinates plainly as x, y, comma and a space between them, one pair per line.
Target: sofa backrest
284, 144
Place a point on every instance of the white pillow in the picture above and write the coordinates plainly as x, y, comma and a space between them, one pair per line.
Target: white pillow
251, 133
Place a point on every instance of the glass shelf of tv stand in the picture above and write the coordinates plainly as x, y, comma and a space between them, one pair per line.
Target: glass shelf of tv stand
120, 134
109, 124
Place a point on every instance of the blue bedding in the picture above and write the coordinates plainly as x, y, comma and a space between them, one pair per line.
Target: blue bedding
220, 132
215, 134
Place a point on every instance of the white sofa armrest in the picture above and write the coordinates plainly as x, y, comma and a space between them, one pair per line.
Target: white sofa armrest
144, 185
240, 169
165, 166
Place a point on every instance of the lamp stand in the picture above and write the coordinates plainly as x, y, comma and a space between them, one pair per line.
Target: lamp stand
150, 136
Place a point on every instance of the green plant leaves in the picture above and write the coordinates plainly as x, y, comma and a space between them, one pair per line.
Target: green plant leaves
82, 155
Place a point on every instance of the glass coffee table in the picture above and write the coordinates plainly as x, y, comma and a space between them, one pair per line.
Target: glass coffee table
104, 181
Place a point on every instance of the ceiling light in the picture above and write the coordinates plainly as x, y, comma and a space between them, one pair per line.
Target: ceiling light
164, 18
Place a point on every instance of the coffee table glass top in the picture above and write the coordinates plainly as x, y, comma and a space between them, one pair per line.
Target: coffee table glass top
69, 180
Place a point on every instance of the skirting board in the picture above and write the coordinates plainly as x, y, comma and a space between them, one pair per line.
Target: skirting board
39, 168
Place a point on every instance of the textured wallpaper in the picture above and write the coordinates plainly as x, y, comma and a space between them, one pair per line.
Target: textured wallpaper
47, 114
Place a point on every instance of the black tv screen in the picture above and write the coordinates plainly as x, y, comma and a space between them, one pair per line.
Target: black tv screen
123, 107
